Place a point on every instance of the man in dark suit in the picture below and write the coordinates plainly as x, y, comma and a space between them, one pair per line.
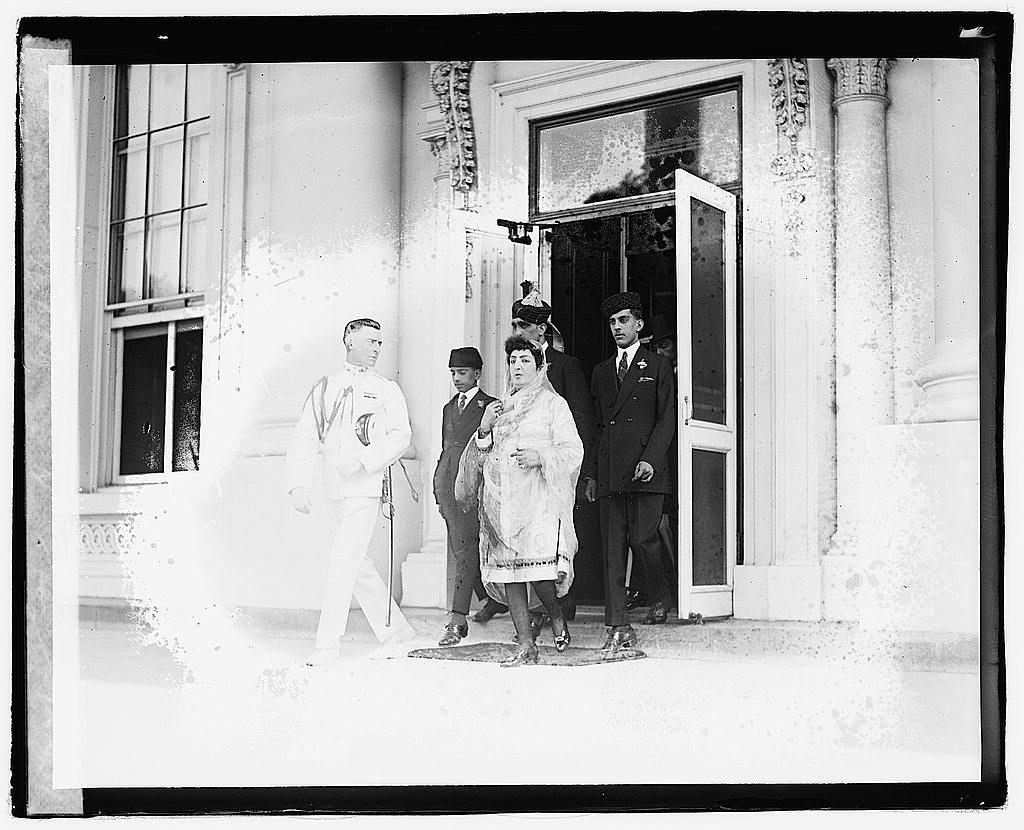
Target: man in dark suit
459, 422
531, 318
634, 396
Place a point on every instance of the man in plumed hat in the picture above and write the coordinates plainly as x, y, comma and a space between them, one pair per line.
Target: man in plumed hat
531, 318
459, 421
634, 399
357, 422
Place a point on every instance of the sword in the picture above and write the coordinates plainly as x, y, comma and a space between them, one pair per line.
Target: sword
387, 499
363, 426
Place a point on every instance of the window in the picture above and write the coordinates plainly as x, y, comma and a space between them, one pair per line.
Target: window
634, 149
158, 268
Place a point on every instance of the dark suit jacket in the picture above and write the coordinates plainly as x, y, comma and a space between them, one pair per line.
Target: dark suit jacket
456, 430
569, 380
635, 423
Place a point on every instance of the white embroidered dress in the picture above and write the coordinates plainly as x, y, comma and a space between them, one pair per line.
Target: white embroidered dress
526, 515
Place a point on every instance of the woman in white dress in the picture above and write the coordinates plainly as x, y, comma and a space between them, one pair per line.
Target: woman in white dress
523, 466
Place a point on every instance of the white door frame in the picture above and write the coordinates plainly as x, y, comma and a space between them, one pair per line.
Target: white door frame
706, 600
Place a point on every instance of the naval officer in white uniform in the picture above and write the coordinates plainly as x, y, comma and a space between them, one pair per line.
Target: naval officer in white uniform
352, 480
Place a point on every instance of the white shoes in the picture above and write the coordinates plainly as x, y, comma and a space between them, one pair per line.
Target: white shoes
324, 657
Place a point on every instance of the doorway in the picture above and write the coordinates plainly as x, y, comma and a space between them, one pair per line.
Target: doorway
589, 259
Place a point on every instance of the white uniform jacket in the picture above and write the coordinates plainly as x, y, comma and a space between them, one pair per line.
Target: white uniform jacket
327, 427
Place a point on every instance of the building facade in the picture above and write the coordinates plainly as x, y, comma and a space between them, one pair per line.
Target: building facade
807, 227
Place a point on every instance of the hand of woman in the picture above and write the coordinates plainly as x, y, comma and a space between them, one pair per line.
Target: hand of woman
526, 458
490, 415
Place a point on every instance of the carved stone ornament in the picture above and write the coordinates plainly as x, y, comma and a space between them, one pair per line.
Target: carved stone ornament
469, 268
103, 538
450, 82
793, 164
860, 77
787, 78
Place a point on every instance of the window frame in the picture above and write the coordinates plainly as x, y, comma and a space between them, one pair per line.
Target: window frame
201, 306
625, 203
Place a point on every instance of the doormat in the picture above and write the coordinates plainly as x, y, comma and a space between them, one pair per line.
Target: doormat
496, 652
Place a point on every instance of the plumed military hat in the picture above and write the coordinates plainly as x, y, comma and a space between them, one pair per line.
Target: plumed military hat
617, 302
465, 357
531, 309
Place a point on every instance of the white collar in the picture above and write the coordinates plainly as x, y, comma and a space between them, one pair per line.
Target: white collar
629, 352
470, 394
352, 369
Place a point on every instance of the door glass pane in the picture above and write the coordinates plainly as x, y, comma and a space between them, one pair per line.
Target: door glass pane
168, 97
630, 153
164, 247
585, 268
144, 390
165, 166
709, 562
707, 311
129, 183
126, 261
651, 268
188, 378
197, 163
193, 253
199, 79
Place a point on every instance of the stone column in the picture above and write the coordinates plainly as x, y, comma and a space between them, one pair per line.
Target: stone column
864, 345
950, 378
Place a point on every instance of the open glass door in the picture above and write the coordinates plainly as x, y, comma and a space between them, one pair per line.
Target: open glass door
706, 323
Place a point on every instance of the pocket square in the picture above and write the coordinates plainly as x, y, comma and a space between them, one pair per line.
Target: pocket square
644, 380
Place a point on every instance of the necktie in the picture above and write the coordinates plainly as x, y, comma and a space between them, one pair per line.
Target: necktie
462, 402
623, 366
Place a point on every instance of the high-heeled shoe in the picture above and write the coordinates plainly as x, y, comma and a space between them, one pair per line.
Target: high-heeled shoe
562, 640
537, 622
524, 656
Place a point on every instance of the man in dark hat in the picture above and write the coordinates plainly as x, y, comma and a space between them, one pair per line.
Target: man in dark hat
634, 397
459, 422
531, 318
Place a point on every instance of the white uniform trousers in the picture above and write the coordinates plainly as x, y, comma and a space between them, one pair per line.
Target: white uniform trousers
350, 571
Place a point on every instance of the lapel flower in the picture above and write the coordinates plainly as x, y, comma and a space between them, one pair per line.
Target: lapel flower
642, 364
480, 404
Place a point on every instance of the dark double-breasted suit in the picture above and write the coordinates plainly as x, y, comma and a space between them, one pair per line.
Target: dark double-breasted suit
463, 528
635, 423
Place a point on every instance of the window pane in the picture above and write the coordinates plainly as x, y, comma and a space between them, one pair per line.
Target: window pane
709, 563
194, 249
129, 184
168, 99
144, 391
651, 264
164, 247
707, 314
197, 163
137, 120
126, 261
630, 153
200, 77
188, 381
165, 167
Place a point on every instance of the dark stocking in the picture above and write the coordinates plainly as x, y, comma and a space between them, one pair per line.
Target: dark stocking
515, 592
545, 591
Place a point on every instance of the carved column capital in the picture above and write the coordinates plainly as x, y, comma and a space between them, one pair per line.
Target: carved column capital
450, 82
858, 78
439, 149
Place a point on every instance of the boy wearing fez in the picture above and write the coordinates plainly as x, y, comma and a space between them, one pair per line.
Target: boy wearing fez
460, 420
634, 398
